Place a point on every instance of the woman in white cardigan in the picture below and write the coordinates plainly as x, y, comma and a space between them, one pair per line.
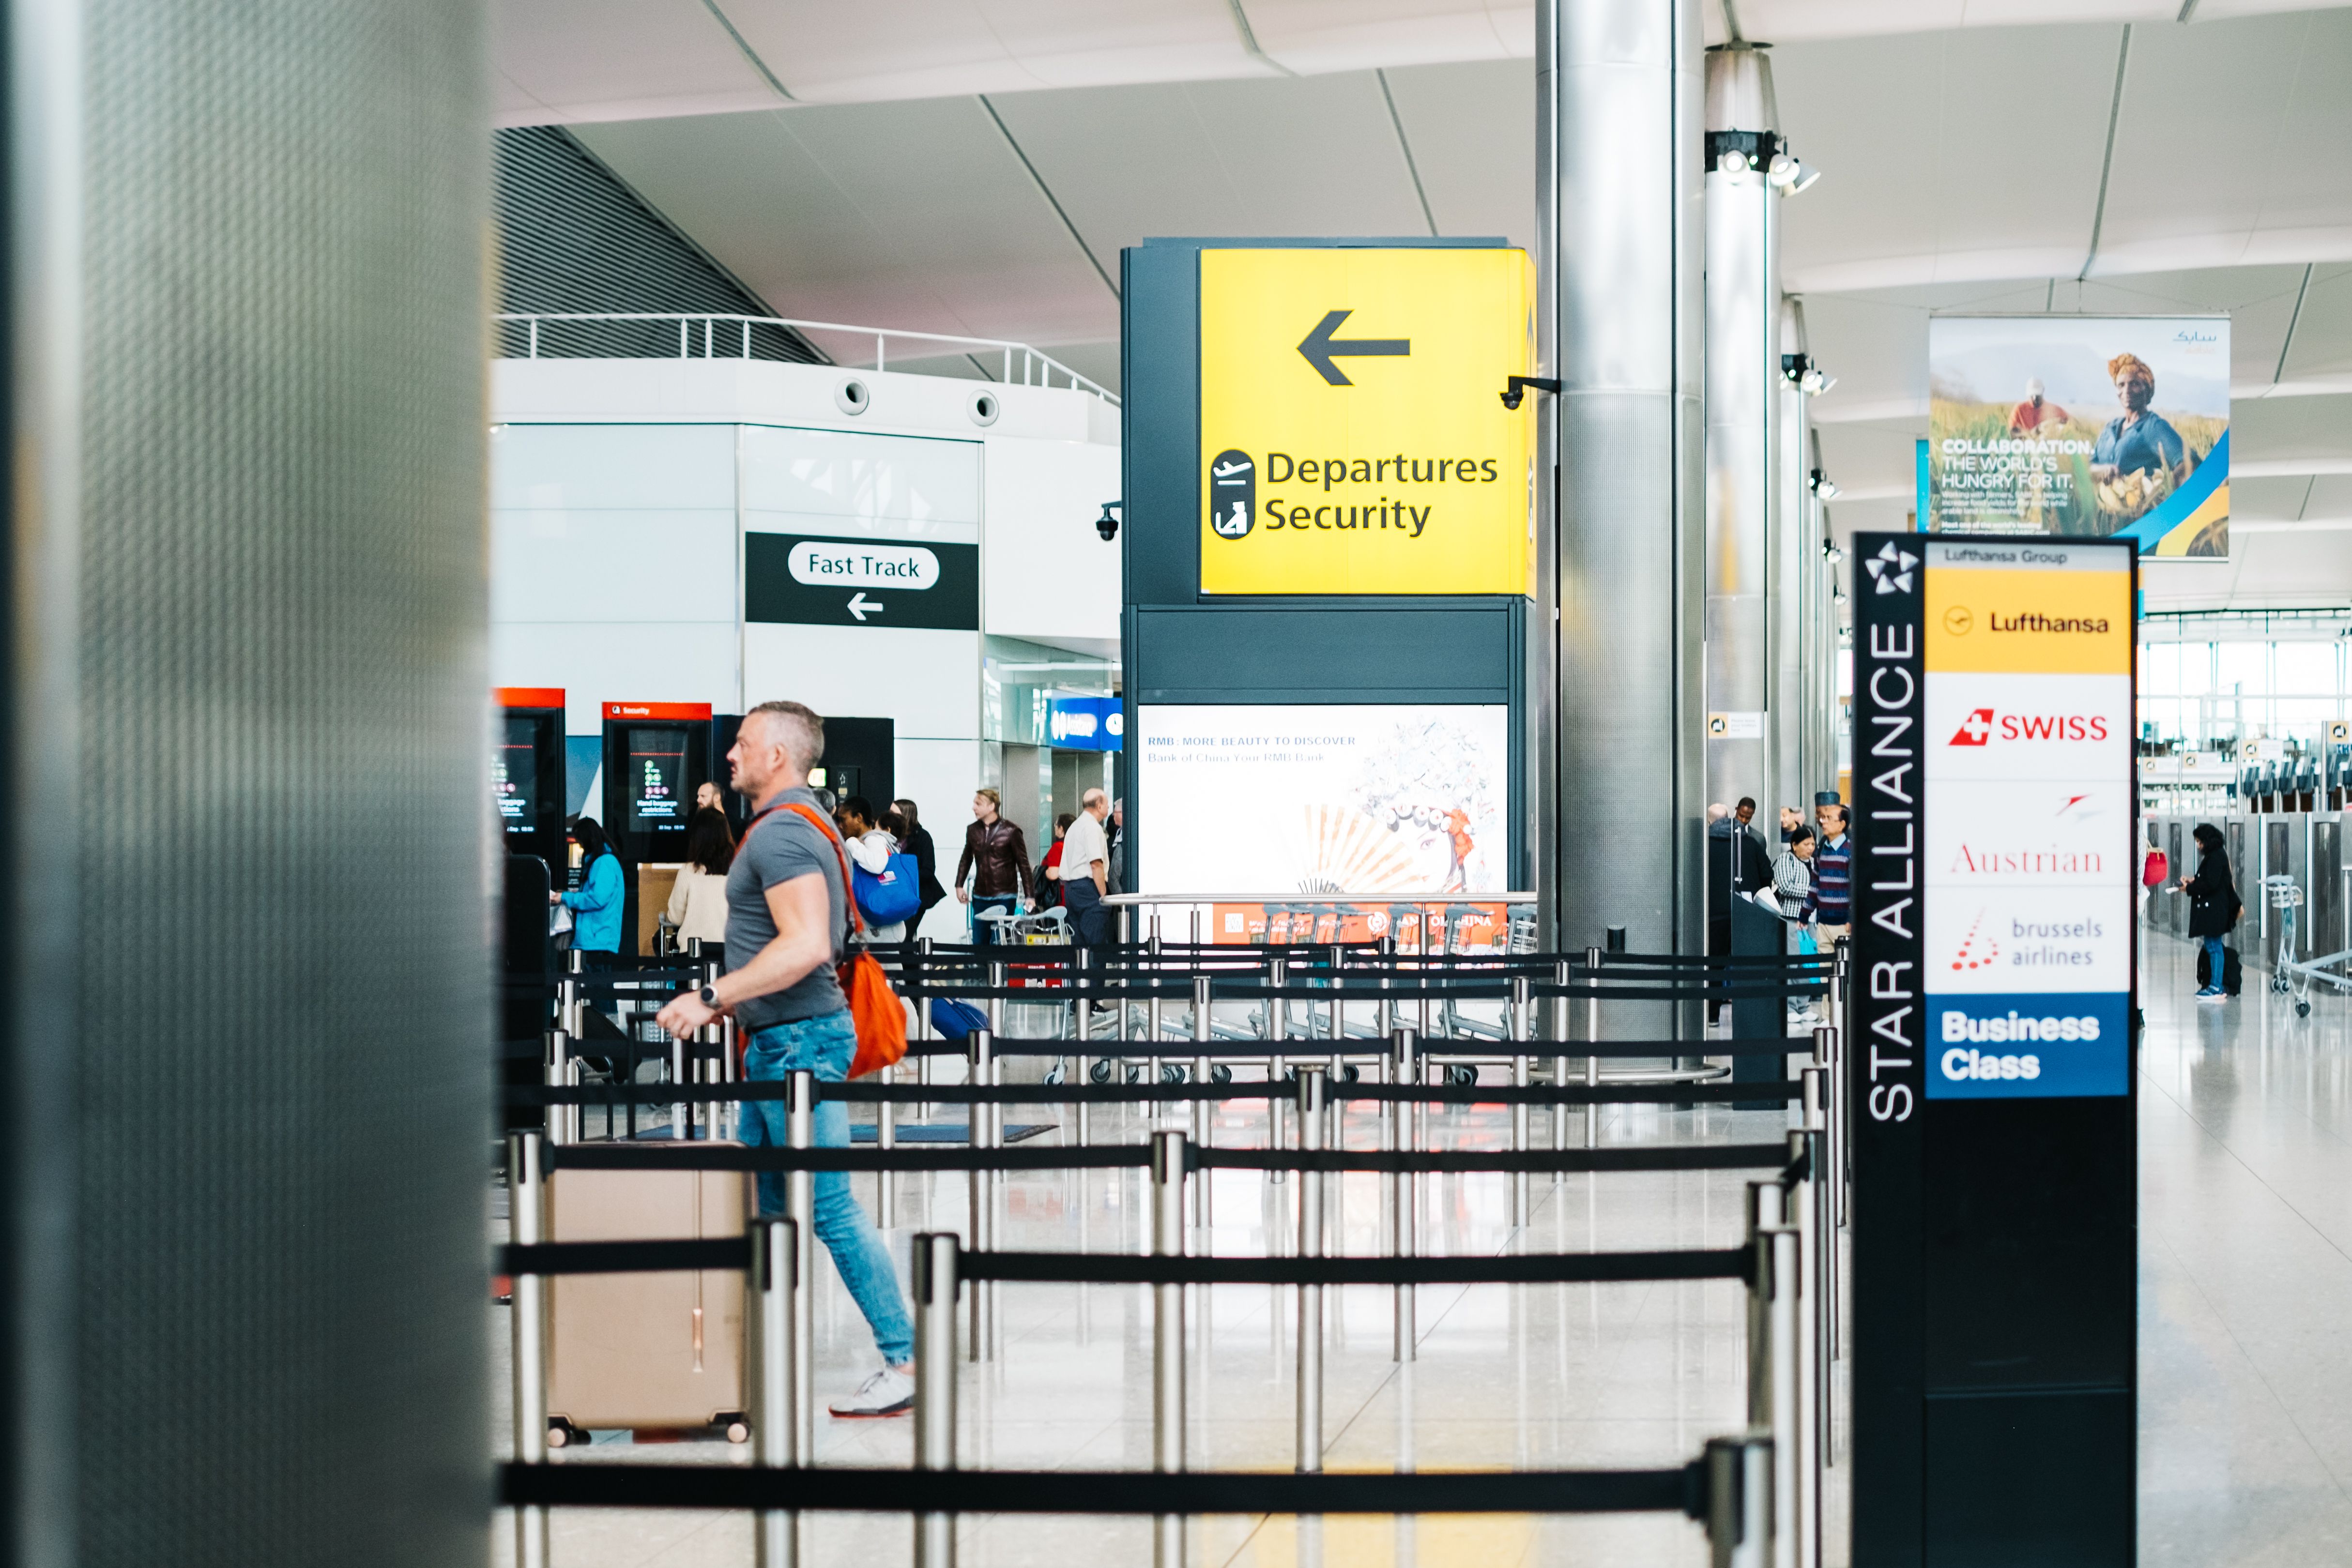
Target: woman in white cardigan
697, 901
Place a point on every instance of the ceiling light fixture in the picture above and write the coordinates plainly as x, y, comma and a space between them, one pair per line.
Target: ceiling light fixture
1816, 380
1823, 486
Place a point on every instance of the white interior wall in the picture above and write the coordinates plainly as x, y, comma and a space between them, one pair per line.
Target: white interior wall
1048, 575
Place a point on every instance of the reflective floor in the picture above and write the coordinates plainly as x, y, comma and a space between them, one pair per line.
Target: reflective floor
2246, 1403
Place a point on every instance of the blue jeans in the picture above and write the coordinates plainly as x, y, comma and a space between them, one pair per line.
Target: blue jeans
825, 1046
2213, 962
984, 932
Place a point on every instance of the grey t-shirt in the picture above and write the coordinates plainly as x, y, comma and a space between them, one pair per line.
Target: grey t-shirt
784, 845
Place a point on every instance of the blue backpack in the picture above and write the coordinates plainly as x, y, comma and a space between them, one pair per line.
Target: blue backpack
889, 895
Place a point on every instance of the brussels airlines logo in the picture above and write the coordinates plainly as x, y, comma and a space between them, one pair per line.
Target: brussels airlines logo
1985, 724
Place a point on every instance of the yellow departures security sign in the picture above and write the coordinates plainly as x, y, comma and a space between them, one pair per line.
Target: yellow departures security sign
1353, 437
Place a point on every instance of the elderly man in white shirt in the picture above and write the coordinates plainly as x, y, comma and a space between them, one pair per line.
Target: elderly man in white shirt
1085, 868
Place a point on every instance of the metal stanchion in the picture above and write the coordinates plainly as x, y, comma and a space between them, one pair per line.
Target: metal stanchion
1560, 1008
1202, 1110
1774, 1387
775, 1533
1277, 1029
1081, 1005
885, 1138
727, 1060
922, 1022
1822, 1275
562, 1121
1826, 1054
1521, 1183
1592, 1036
1739, 1501
1407, 1200
1168, 1162
799, 1208
528, 1303
935, 1386
708, 1037
1154, 1029
982, 1187
1801, 1209
1338, 1020
1310, 1297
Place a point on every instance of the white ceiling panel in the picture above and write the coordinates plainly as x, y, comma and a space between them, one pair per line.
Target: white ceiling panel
1312, 36
2268, 500
2323, 331
907, 215
2229, 146
2329, 496
1900, 128
1472, 131
2295, 429
571, 60
826, 51
1315, 156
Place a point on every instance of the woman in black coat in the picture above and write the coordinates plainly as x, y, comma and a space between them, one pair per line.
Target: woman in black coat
2213, 905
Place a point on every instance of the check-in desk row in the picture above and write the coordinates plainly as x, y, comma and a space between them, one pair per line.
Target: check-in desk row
2306, 846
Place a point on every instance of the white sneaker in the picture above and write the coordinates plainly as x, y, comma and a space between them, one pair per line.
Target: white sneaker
888, 1392
2213, 995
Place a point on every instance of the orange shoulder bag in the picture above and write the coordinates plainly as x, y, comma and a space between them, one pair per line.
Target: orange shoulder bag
874, 1007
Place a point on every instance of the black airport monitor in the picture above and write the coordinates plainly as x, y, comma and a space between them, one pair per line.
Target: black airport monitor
527, 773
657, 757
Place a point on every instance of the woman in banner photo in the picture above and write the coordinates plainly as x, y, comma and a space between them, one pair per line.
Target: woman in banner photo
2139, 458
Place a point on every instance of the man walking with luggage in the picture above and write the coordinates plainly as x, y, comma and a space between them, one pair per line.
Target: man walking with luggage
787, 922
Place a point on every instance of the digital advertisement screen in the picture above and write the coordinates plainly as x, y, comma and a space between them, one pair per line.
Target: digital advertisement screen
2084, 427
1373, 800
657, 778
514, 775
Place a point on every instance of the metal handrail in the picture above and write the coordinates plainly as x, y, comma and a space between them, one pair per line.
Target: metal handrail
1035, 368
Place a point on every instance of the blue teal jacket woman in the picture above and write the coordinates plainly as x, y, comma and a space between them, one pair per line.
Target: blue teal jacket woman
597, 903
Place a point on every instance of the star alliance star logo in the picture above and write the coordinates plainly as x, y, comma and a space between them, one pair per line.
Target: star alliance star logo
1891, 568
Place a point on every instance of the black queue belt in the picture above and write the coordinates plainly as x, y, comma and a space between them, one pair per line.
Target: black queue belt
729, 1156
1768, 1091
547, 1257
1109, 991
865, 1491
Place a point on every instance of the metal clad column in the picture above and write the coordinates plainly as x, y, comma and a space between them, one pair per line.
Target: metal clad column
1743, 367
1796, 578
248, 619
1618, 95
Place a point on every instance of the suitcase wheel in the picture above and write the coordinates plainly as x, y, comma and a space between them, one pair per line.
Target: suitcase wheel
738, 1425
1099, 1072
1220, 1073
1461, 1077
562, 1434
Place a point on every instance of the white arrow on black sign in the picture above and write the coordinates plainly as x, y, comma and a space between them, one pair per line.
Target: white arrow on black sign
860, 606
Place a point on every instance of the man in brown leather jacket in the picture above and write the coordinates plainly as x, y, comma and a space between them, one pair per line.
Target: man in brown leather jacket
996, 848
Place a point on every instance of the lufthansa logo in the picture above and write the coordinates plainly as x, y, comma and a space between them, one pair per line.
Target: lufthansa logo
1958, 622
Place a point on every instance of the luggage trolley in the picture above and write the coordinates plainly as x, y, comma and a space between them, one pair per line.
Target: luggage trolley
2288, 977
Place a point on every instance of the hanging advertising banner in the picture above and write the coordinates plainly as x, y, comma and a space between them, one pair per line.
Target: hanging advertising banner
1353, 438
2081, 427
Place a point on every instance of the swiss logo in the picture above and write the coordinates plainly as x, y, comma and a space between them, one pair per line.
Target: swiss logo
1975, 730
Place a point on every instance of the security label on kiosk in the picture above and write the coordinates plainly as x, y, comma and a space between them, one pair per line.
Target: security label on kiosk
1353, 436
1987, 1050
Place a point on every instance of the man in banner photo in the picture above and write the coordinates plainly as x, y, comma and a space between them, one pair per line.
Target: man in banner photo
2088, 426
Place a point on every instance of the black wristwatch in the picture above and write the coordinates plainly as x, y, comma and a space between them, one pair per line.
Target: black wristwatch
710, 997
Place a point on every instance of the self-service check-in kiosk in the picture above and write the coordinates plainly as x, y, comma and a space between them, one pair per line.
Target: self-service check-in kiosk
657, 757
527, 773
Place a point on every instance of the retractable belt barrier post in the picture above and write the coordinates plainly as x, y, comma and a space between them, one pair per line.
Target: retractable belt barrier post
1739, 1501
979, 1131
1202, 1110
934, 1283
1521, 1008
1592, 1036
526, 1202
562, 1121
1310, 1297
799, 1208
775, 1425
1168, 1167
1404, 1198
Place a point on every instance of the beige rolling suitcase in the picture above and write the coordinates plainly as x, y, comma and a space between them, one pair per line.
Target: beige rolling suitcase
646, 1351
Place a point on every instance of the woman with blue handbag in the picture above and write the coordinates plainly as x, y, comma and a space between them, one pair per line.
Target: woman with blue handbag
883, 877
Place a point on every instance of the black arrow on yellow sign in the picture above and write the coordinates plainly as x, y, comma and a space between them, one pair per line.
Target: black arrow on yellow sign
1319, 350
